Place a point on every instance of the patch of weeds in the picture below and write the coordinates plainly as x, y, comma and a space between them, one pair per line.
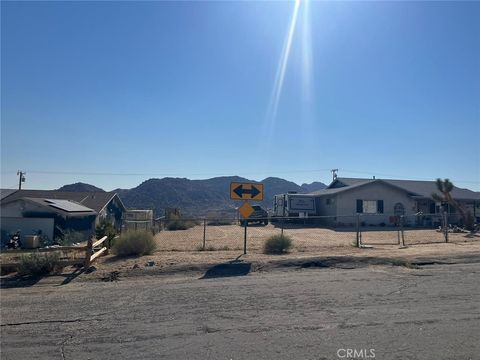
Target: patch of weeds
176, 223
37, 264
278, 244
112, 276
134, 243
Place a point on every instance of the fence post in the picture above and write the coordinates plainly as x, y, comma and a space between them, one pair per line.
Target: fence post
88, 253
358, 230
282, 225
398, 232
204, 232
402, 219
245, 237
108, 245
445, 224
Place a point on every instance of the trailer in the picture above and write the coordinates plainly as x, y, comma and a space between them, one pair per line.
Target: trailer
294, 205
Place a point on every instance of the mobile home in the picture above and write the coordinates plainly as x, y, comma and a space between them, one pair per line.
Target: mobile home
294, 205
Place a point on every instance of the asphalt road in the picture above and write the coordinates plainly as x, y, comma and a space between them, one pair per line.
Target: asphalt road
317, 313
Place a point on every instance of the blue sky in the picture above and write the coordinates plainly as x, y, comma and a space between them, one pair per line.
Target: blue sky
113, 93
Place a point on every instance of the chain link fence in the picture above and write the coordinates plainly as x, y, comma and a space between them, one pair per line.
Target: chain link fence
309, 234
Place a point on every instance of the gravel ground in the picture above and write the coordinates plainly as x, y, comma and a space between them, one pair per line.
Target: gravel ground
289, 313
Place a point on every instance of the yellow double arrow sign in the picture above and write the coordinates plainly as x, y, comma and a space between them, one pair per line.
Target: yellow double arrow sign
246, 191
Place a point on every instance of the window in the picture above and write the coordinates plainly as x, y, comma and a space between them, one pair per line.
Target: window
370, 206
330, 201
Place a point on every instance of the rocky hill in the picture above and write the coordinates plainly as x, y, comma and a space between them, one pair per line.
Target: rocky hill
201, 197
80, 187
196, 197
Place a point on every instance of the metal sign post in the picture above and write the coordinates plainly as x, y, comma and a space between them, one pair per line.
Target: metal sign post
245, 238
246, 191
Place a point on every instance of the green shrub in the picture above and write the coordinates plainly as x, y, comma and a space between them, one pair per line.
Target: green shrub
39, 264
134, 243
277, 244
105, 228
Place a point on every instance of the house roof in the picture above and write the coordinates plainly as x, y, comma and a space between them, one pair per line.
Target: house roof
414, 188
94, 200
6, 192
64, 207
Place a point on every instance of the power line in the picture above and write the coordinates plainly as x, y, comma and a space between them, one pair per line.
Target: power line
340, 170
164, 174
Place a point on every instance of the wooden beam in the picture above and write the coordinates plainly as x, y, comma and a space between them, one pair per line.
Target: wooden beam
97, 254
99, 242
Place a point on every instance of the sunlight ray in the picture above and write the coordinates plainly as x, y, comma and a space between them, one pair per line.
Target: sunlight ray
280, 75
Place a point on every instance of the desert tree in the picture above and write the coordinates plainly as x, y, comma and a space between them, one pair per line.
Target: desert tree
445, 188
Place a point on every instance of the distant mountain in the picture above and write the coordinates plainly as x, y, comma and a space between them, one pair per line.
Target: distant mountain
314, 186
201, 197
197, 197
80, 187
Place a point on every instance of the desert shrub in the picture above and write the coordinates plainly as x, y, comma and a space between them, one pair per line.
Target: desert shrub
134, 243
178, 224
105, 228
278, 244
39, 264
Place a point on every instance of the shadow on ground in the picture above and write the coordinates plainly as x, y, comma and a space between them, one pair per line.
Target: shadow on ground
18, 281
23, 281
233, 268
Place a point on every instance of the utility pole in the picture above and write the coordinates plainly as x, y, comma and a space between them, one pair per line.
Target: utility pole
21, 178
334, 174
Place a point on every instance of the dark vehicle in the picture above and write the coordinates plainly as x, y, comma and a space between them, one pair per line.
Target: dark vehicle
259, 215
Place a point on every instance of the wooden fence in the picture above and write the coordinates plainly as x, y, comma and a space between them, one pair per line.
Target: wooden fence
92, 251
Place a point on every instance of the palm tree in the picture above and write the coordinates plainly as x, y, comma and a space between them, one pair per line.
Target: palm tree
445, 187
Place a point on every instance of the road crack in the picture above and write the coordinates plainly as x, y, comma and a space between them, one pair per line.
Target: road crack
62, 346
93, 318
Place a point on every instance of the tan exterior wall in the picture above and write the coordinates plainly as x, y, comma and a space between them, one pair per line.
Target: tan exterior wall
325, 209
346, 202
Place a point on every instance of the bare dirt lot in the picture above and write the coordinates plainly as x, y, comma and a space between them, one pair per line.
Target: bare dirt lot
179, 251
225, 243
230, 237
